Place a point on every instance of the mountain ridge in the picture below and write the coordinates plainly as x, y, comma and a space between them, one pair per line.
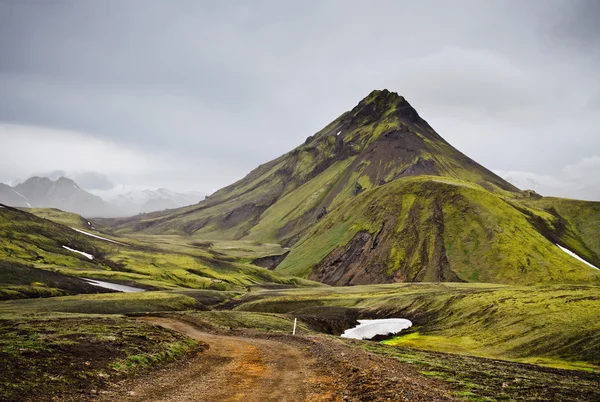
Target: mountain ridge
378, 130
433, 214
65, 194
134, 202
62, 193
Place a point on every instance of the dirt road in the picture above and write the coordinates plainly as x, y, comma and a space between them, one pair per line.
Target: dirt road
233, 369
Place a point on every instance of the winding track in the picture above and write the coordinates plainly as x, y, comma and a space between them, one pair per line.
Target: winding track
232, 369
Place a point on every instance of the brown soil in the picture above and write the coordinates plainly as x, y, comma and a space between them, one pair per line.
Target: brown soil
231, 369
66, 359
250, 366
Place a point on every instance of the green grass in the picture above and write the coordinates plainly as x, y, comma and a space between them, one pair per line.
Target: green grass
235, 320
210, 298
297, 203
231, 250
18, 281
485, 238
167, 262
581, 234
551, 325
108, 303
477, 379
64, 218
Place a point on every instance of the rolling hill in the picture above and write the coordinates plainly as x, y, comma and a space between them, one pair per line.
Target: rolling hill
41, 257
378, 196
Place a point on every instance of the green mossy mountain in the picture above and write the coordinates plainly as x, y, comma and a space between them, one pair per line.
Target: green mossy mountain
378, 196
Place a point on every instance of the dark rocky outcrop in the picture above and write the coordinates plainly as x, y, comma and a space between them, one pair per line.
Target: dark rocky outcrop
270, 261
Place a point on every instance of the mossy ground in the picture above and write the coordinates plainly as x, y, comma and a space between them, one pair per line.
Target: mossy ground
478, 379
551, 325
163, 262
241, 320
107, 303
43, 358
18, 281
68, 219
486, 237
387, 167
379, 164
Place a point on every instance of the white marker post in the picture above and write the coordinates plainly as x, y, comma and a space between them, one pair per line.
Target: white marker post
294, 331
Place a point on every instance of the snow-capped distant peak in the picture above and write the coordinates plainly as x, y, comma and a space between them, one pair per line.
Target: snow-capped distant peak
132, 201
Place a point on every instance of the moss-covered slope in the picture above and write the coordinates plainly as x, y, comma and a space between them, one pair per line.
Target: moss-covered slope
553, 324
381, 140
427, 229
32, 243
378, 196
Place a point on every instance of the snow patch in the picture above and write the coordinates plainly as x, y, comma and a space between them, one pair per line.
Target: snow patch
98, 237
572, 254
19, 194
368, 329
113, 286
91, 257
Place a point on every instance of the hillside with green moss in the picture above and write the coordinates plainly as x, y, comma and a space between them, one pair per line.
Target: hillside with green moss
554, 325
377, 196
381, 140
41, 258
425, 229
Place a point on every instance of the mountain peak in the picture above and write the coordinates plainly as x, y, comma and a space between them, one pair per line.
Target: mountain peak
66, 180
380, 103
382, 95
37, 179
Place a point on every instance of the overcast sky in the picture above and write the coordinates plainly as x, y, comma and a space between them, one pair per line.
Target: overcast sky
191, 95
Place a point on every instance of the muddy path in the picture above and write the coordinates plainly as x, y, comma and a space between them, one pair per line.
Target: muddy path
232, 369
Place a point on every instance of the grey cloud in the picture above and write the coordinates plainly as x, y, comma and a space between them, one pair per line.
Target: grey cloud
52, 175
513, 84
92, 181
578, 180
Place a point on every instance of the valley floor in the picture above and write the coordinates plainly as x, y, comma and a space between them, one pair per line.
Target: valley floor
231, 369
232, 355
279, 368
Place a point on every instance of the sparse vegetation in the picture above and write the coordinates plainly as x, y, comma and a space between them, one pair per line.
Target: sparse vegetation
71, 356
550, 325
108, 303
476, 379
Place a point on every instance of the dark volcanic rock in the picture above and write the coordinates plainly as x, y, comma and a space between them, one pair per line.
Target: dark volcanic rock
271, 261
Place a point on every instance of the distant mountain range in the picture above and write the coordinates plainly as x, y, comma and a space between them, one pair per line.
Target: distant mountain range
65, 194
144, 201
